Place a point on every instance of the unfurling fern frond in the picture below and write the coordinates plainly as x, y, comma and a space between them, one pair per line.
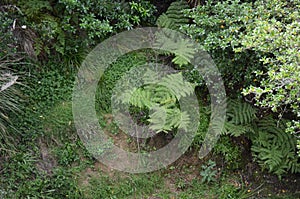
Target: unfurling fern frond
174, 17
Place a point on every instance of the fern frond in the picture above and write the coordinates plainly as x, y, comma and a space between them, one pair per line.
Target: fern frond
177, 85
240, 113
158, 119
239, 118
184, 121
174, 17
172, 42
236, 130
142, 98
275, 149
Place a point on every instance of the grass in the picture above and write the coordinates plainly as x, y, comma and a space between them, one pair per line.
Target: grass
9, 103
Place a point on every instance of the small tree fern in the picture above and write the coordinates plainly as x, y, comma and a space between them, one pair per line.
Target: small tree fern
161, 97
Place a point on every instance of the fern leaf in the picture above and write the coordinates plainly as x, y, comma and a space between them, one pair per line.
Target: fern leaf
240, 113
177, 85
174, 17
158, 119
184, 121
274, 148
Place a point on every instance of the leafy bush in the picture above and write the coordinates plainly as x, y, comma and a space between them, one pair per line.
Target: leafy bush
217, 26
256, 51
68, 28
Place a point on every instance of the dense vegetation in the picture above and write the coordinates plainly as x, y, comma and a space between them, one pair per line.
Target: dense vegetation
255, 45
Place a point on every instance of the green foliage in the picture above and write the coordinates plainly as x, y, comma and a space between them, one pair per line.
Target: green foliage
67, 29
208, 172
161, 98
274, 149
59, 119
294, 129
204, 119
66, 154
217, 26
223, 190
111, 76
47, 118
63, 33
26, 181
9, 82
174, 18
251, 50
123, 187
47, 87
9, 104
239, 118
229, 151
256, 51
8, 44
276, 37
182, 48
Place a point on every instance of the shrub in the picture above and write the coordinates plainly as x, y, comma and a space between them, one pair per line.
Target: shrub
256, 51
67, 29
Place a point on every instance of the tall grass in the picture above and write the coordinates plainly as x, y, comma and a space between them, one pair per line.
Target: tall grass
9, 105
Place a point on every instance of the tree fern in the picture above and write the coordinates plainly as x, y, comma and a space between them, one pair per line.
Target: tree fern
161, 97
